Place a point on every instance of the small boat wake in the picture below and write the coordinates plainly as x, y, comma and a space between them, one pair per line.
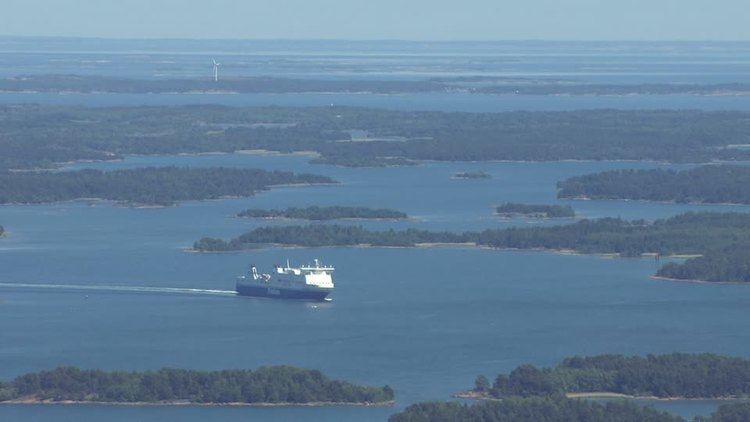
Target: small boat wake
127, 289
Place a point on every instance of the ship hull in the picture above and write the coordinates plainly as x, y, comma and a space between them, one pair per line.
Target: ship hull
281, 293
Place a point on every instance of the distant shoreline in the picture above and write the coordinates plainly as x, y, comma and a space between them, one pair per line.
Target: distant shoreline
36, 402
695, 281
282, 218
140, 205
395, 92
431, 245
649, 201
473, 395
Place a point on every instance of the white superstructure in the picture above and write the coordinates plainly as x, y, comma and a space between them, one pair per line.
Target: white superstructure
316, 275
305, 282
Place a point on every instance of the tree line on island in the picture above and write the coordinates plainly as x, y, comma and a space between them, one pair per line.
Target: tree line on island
729, 264
318, 213
535, 409
267, 385
36, 136
531, 394
510, 209
686, 234
150, 185
705, 184
676, 375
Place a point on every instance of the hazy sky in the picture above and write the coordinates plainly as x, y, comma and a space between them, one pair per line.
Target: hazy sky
382, 19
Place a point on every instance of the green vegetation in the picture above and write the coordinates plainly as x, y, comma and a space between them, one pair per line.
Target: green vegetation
536, 211
325, 213
706, 184
729, 264
685, 234
729, 412
152, 185
533, 409
472, 175
690, 233
538, 394
41, 136
278, 384
665, 376
316, 235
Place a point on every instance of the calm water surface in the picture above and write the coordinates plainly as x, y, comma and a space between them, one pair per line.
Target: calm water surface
425, 321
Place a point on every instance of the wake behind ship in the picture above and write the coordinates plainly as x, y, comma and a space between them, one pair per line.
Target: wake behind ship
312, 282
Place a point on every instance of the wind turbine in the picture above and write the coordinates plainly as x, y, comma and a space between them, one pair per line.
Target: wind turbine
216, 70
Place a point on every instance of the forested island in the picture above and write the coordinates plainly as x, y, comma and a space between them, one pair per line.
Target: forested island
36, 136
510, 210
276, 385
472, 175
705, 184
730, 264
535, 409
326, 213
676, 375
531, 394
685, 234
149, 185
249, 85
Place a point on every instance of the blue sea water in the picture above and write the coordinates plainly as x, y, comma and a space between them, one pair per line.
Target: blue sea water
425, 321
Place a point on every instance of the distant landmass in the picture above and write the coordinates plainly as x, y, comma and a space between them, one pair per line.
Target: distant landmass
510, 210
326, 213
685, 234
477, 85
247, 85
276, 385
472, 175
148, 186
44, 136
705, 184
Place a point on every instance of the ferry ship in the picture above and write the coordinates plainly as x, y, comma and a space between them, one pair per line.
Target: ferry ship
312, 282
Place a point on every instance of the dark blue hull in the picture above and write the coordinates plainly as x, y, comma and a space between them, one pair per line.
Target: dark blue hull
264, 291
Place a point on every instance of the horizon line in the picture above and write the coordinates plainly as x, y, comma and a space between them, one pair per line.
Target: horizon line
402, 40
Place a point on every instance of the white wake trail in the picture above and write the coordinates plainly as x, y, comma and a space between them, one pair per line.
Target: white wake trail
131, 289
